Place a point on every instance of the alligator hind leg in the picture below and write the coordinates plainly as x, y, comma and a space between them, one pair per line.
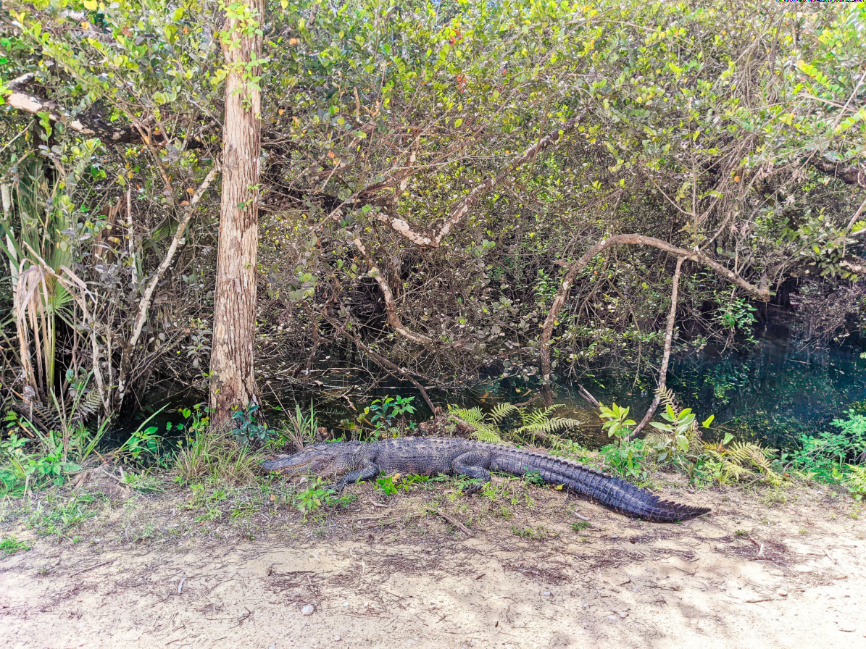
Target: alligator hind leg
474, 465
368, 470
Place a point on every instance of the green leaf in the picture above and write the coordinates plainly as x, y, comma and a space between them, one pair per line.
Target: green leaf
708, 421
90, 5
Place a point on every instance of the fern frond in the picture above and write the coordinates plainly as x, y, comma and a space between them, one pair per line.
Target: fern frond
667, 397
487, 434
471, 416
481, 430
501, 411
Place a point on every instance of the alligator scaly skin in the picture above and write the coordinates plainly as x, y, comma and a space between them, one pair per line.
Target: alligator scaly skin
357, 461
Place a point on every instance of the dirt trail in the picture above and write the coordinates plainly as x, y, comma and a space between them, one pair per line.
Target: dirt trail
748, 575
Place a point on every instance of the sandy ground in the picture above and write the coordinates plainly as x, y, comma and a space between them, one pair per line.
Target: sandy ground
393, 572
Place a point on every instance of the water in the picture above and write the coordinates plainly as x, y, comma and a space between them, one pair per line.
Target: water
773, 393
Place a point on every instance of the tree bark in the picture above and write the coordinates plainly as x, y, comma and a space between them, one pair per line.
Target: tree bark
761, 292
232, 382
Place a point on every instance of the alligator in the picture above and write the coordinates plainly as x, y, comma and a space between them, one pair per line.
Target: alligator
356, 461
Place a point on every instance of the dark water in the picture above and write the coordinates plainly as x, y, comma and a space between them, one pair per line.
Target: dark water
774, 392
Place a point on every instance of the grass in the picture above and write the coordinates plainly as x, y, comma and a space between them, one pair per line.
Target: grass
52, 518
11, 545
217, 457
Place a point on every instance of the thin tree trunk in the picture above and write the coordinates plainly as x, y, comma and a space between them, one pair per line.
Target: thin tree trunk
666, 356
233, 381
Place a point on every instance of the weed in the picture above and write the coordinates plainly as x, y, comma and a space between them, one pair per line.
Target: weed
579, 526
11, 545
534, 477
536, 534
216, 456
299, 431
318, 496
58, 520
393, 483
143, 482
774, 496
247, 428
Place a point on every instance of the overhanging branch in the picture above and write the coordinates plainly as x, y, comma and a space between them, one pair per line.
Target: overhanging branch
760, 292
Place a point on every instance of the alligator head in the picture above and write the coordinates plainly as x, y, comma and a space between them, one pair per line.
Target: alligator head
318, 459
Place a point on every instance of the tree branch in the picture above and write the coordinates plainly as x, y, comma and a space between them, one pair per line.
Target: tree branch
390, 305
432, 239
760, 292
666, 356
28, 103
147, 297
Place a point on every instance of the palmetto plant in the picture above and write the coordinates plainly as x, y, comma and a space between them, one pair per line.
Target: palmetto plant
532, 424
39, 252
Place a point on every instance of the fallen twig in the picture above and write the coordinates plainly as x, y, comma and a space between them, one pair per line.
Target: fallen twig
460, 526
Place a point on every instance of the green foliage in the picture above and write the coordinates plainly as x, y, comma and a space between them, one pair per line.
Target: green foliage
730, 462
856, 481
534, 477
616, 421
41, 458
385, 411
827, 454
247, 428
671, 441
298, 431
11, 545
318, 496
392, 484
208, 454
55, 517
627, 459
383, 418
579, 526
533, 424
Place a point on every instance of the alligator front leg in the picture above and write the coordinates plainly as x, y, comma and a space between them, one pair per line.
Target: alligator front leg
367, 471
473, 464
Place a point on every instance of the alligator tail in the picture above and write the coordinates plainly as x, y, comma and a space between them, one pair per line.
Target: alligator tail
613, 493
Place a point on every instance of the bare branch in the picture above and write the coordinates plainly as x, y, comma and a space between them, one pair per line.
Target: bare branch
144, 304
427, 239
760, 293
390, 305
666, 356
28, 103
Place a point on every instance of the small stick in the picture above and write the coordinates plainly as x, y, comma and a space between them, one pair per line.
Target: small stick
180, 586
460, 526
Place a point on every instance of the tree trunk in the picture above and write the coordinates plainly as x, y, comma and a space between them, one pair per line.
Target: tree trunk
232, 383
